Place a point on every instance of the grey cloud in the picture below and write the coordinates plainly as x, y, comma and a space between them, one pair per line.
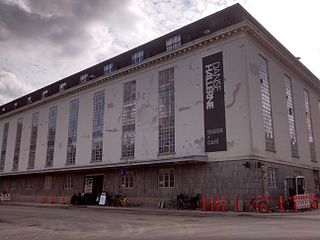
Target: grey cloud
11, 87
63, 24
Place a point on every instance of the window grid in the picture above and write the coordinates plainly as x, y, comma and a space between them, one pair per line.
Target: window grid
72, 132
127, 180
128, 119
17, 144
273, 177
47, 182
33, 140
97, 132
309, 125
291, 117
173, 43
109, 68
28, 183
4, 146
166, 178
266, 104
12, 183
68, 182
137, 57
166, 112
52, 124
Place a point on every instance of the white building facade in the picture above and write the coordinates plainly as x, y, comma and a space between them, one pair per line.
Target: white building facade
225, 112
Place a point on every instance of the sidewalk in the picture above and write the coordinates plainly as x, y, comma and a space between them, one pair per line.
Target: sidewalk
152, 211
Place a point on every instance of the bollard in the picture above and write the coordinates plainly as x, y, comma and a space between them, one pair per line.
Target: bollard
237, 203
281, 204
217, 203
222, 203
204, 202
211, 204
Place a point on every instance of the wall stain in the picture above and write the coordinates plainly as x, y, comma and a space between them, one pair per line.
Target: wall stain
231, 143
110, 105
254, 69
184, 108
234, 94
112, 130
199, 142
197, 102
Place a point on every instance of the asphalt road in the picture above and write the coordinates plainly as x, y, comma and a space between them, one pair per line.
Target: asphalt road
32, 223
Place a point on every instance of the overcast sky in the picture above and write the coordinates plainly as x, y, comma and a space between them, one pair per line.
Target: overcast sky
42, 41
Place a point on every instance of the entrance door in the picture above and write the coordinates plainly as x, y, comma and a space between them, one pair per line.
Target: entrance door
93, 186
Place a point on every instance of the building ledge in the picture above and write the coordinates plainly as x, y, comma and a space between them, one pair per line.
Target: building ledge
170, 160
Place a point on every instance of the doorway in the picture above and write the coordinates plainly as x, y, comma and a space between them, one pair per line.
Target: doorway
93, 186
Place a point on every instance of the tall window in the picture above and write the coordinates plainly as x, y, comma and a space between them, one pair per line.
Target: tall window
33, 140
309, 125
266, 103
68, 182
17, 144
47, 182
273, 177
291, 116
137, 57
173, 43
128, 119
127, 180
166, 178
4, 146
166, 112
28, 183
72, 132
97, 131
52, 124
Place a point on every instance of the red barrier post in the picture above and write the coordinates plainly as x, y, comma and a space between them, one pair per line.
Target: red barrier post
222, 203
217, 203
204, 202
295, 208
211, 204
281, 204
52, 199
237, 203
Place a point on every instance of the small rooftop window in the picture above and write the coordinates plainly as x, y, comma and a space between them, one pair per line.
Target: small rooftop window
137, 57
15, 105
3, 109
83, 78
29, 100
109, 68
62, 87
173, 43
44, 94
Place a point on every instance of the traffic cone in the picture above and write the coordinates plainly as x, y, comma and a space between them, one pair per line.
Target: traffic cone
217, 203
211, 204
204, 202
237, 203
52, 199
222, 203
295, 207
281, 204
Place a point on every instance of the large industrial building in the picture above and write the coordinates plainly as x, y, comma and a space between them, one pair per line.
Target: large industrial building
216, 107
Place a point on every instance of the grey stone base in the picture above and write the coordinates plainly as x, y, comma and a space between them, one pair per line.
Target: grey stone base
211, 179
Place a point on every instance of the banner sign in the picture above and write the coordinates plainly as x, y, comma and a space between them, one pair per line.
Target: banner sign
213, 99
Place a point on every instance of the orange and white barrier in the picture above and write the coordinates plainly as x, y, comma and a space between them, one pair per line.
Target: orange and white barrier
303, 201
5, 197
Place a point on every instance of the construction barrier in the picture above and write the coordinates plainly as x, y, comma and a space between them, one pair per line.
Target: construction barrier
303, 201
5, 197
217, 203
281, 204
211, 204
